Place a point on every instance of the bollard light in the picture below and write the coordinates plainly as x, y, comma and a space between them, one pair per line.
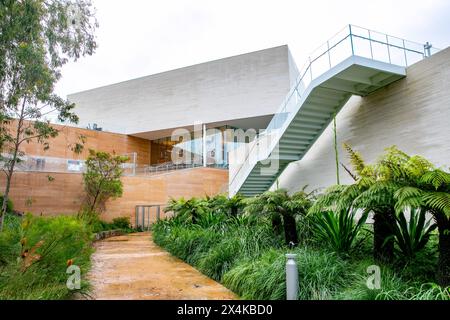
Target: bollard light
291, 277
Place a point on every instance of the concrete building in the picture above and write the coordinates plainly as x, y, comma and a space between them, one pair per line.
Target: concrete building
243, 91
189, 130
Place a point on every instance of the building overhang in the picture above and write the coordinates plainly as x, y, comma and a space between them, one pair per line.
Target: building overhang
257, 123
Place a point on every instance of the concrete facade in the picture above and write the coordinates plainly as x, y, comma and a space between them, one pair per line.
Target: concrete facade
412, 113
247, 86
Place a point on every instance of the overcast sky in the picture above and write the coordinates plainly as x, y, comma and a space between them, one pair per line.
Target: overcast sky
142, 37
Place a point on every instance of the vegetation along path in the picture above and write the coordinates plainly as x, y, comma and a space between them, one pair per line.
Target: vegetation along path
134, 267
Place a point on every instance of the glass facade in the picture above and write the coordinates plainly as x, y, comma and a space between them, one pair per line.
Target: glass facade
189, 147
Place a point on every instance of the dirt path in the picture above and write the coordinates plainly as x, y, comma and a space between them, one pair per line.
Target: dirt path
133, 267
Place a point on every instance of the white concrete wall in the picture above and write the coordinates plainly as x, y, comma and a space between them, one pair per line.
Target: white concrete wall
243, 86
413, 114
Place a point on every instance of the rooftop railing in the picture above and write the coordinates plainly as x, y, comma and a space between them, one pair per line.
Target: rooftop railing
131, 168
350, 41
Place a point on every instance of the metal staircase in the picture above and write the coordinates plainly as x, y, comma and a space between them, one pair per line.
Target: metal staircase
356, 61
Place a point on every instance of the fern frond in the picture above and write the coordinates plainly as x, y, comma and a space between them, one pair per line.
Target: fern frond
408, 197
438, 201
356, 159
417, 166
437, 178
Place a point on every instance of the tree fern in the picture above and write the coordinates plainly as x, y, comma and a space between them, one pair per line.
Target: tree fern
439, 201
437, 178
408, 197
356, 159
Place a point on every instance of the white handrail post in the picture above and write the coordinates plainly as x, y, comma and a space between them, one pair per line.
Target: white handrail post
404, 50
329, 56
351, 39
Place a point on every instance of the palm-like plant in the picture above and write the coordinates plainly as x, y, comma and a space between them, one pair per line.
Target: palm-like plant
431, 192
190, 210
412, 236
339, 229
374, 191
235, 204
281, 208
376, 188
334, 217
223, 204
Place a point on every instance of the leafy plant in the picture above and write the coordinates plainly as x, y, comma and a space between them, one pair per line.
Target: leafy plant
122, 223
431, 192
339, 229
281, 208
102, 179
39, 252
187, 210
9, 205
412, 236
37, 39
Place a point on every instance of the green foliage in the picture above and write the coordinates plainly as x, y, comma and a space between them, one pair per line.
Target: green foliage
412, 236
9, 205
279, 206
40, 250
10, 240
37, 39
246, 254
97, 225
188, 211
339, 230
392, 287
321, 274
214, 249
102, 179
122, 223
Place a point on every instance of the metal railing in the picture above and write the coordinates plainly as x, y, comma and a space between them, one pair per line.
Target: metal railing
350, 41
65, 165
170, 166
130, 168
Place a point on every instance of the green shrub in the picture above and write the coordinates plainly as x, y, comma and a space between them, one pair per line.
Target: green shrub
9, 205
41, 255
413, 235
393, 286
10, 247
97, 225
338, 230
321, 275
247, 254
122, 223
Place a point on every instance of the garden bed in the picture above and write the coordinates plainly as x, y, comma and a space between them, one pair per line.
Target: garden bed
246, 255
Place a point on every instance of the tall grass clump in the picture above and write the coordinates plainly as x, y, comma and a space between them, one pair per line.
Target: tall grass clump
40, 251
321, 275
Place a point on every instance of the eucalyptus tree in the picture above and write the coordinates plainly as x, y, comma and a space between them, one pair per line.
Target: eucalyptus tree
37, 37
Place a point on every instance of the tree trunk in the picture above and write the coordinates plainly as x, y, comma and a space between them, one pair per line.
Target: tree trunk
276, 223
290, 230
443, 271
5, 202
383, 243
